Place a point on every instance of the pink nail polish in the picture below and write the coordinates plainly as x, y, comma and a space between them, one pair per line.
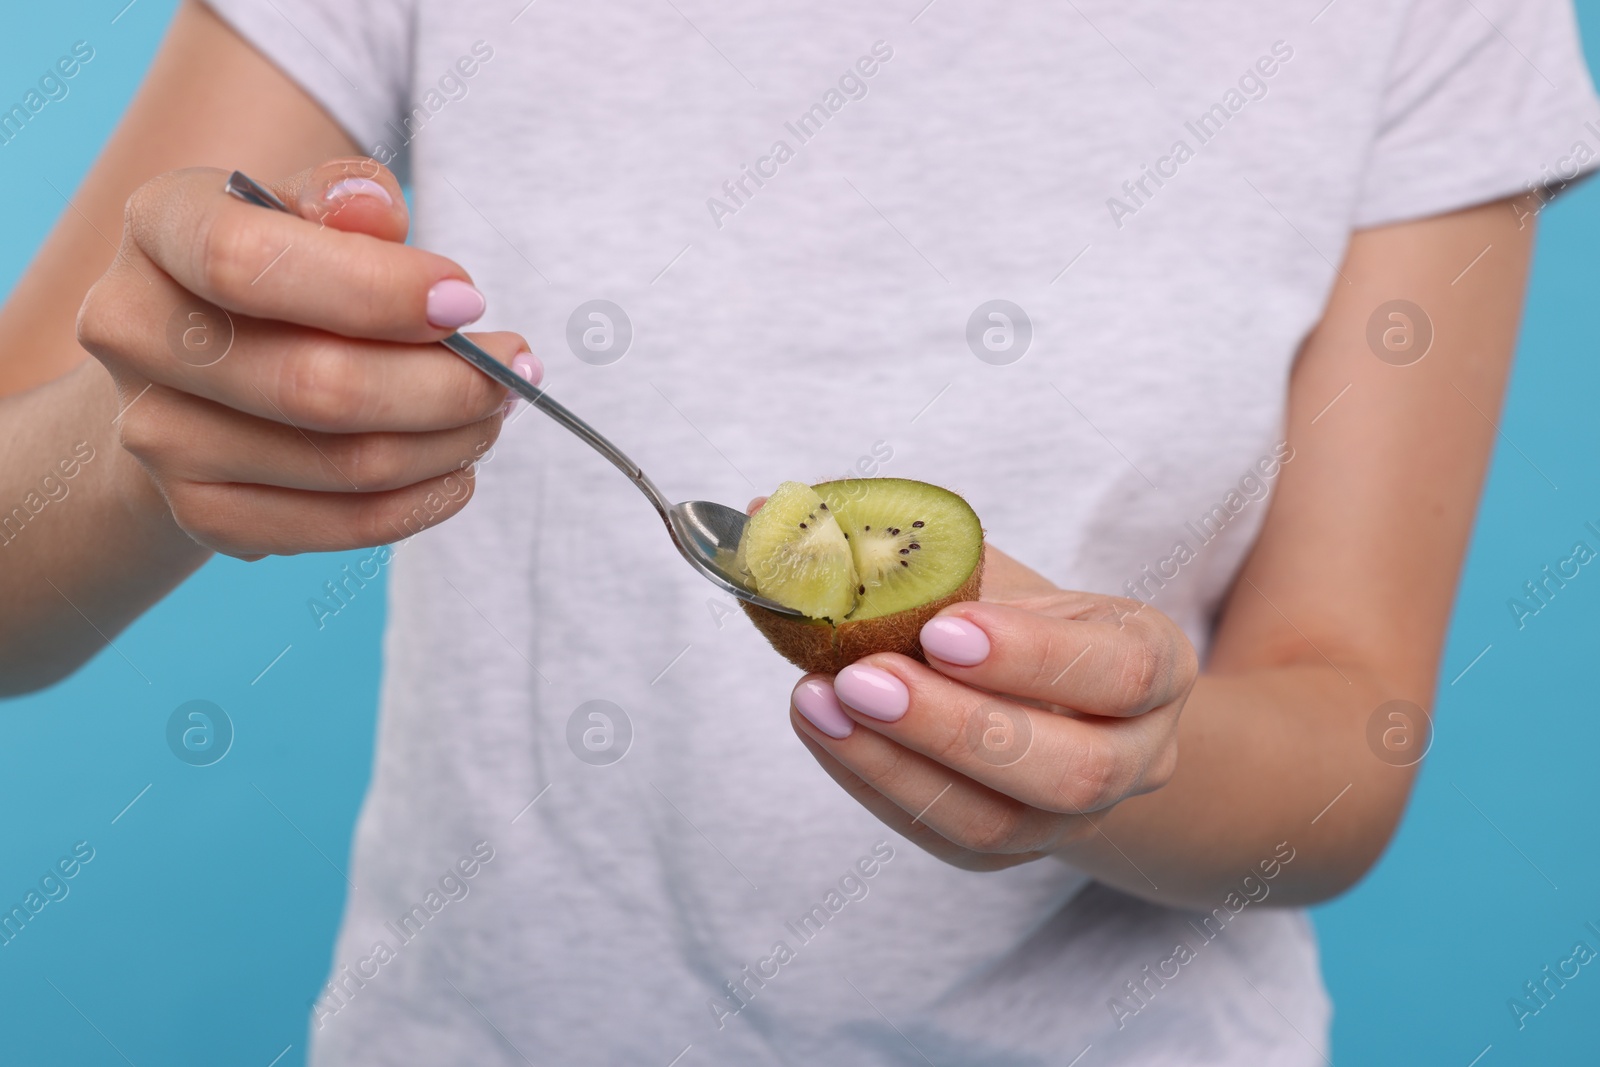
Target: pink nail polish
814, 699
453, 303
528, 366
955, 640
349, 187
872, 692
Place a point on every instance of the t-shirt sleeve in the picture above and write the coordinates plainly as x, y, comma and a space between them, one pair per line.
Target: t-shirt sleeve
352, 56
1485, 99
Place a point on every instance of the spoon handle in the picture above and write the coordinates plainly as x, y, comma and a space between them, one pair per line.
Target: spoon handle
245, 188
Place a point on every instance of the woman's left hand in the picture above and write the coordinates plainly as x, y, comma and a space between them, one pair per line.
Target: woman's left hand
1037, 708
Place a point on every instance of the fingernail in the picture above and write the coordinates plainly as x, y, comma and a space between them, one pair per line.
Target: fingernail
453, 303
814, 699
358, 187
955, 640
527, 365
872, 692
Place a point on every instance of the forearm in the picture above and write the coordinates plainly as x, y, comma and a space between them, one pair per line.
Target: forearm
1362, 548
86, 540
1262, 755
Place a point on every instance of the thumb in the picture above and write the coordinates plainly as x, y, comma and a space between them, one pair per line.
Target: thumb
1005, 579
356, 195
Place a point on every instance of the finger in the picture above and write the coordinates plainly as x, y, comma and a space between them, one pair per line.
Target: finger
924, 810
356, 195
307, 378
263, 263
246, 520
334, 384
754, 505
1080, 651
1060, 763
196, 440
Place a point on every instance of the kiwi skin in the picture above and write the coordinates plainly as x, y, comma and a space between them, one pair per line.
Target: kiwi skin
819, 647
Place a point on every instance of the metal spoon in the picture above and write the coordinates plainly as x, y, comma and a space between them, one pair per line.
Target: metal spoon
707, 534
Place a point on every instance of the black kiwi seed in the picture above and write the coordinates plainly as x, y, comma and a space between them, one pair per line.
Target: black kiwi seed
914, 545
903, 563
847, 537
802, 526
919, 524
861, 590
866, 527
824, 507
894, 531
905, 552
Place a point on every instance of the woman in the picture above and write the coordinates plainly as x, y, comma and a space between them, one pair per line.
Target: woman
1115, 275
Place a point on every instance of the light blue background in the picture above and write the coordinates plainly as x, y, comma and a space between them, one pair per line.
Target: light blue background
201, 930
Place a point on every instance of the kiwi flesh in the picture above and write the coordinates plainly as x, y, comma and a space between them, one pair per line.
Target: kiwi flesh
914, 549
795, 552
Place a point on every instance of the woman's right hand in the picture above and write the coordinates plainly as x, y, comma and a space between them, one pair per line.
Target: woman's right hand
277, 376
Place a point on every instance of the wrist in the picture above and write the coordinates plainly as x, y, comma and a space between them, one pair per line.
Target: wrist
141, 513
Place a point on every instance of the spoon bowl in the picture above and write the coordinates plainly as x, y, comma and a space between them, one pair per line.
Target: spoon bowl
708, 536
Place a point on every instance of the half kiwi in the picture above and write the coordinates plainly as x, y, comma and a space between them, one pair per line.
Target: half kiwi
867, 560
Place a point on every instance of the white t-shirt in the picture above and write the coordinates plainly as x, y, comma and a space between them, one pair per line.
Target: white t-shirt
803, 213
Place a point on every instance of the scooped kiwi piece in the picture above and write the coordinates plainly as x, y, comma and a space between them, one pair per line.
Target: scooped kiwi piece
796, 554
915, 548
